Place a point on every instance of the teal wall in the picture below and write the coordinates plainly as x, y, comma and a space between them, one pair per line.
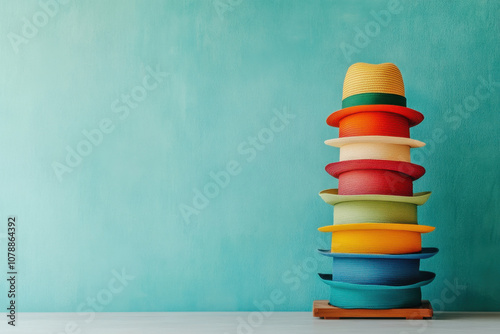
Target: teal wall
175, 94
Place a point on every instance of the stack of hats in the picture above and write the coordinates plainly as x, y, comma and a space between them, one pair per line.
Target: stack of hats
376, 240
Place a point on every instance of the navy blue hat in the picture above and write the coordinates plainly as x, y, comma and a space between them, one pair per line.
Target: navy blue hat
378, 269
348, 295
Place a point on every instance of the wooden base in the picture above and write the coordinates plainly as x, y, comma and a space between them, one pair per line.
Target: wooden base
323, 310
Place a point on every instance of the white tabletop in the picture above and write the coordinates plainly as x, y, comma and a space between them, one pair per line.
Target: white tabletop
244, 323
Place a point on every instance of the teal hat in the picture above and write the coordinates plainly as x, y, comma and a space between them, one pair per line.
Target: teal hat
350, 296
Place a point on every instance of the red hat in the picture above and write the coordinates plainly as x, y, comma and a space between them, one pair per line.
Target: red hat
383, 177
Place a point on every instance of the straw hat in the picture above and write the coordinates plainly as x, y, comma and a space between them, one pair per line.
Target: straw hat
354, 209
375, 212
374, 103
375, 147
374, 238
384, 177
380, 269
368, 296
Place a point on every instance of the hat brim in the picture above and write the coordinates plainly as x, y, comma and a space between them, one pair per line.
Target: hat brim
425, 253
425, 278
339, 142
367, 296
414, 117
378, 226
412, 170
332, 197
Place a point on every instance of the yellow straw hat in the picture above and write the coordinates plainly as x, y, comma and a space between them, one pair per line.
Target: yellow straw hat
376, 88
371, 78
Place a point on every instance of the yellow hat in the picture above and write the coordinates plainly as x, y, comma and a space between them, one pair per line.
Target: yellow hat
371, 78
376, 238
375, 88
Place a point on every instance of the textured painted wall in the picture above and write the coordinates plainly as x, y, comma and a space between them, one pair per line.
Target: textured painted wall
166, 156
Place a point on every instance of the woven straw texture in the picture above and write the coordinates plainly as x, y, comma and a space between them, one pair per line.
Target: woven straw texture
376, 151
373, 78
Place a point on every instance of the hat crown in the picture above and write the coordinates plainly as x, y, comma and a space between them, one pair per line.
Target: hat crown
373, 78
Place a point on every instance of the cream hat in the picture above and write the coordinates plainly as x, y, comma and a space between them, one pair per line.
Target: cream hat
375, 147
